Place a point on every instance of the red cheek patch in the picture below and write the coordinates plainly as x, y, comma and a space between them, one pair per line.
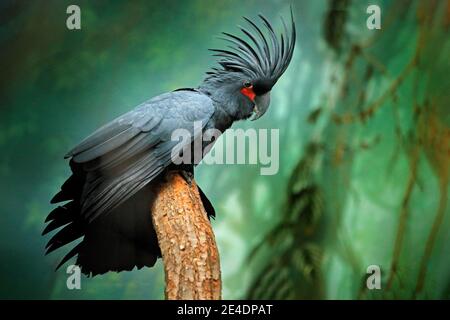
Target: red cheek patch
248, 92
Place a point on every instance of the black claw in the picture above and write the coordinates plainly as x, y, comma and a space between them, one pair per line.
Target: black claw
188, 176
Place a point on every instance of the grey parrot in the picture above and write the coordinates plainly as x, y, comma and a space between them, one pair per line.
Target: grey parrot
115, 170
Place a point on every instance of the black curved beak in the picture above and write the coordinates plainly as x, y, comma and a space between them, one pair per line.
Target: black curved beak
261, 105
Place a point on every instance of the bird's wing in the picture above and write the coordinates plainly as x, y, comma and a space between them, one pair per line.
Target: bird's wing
123, 156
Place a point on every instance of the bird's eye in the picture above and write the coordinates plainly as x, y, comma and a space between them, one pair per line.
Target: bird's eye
247, 84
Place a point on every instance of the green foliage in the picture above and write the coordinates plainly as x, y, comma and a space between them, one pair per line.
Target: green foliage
297, 257
364, 143
363, 196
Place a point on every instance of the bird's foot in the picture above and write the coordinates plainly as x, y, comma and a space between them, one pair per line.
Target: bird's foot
188, 176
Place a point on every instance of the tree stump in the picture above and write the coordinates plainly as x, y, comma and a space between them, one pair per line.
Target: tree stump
185, 236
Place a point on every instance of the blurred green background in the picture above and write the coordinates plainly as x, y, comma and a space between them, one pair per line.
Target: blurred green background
364, 153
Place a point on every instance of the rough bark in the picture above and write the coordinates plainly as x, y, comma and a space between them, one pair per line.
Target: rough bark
188, 247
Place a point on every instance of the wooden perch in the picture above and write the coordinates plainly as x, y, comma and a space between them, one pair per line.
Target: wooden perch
188, 247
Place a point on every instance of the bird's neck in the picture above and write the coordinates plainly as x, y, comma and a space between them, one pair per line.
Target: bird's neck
221, 120
225, 104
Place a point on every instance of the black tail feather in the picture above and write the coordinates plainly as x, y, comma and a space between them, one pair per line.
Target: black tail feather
60, 216
69, 233
207, 204
75, 250
116, 241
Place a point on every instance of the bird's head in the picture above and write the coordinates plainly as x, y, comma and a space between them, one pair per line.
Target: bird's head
249, 68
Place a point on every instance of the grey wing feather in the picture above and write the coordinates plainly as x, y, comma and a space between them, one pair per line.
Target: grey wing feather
101, 135
115, 134
125, 155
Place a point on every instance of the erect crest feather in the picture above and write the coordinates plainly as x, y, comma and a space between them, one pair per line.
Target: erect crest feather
262, 55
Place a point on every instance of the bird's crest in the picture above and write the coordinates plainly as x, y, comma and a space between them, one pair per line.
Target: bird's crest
262, 56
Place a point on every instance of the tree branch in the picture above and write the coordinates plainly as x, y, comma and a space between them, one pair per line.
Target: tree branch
188, 247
